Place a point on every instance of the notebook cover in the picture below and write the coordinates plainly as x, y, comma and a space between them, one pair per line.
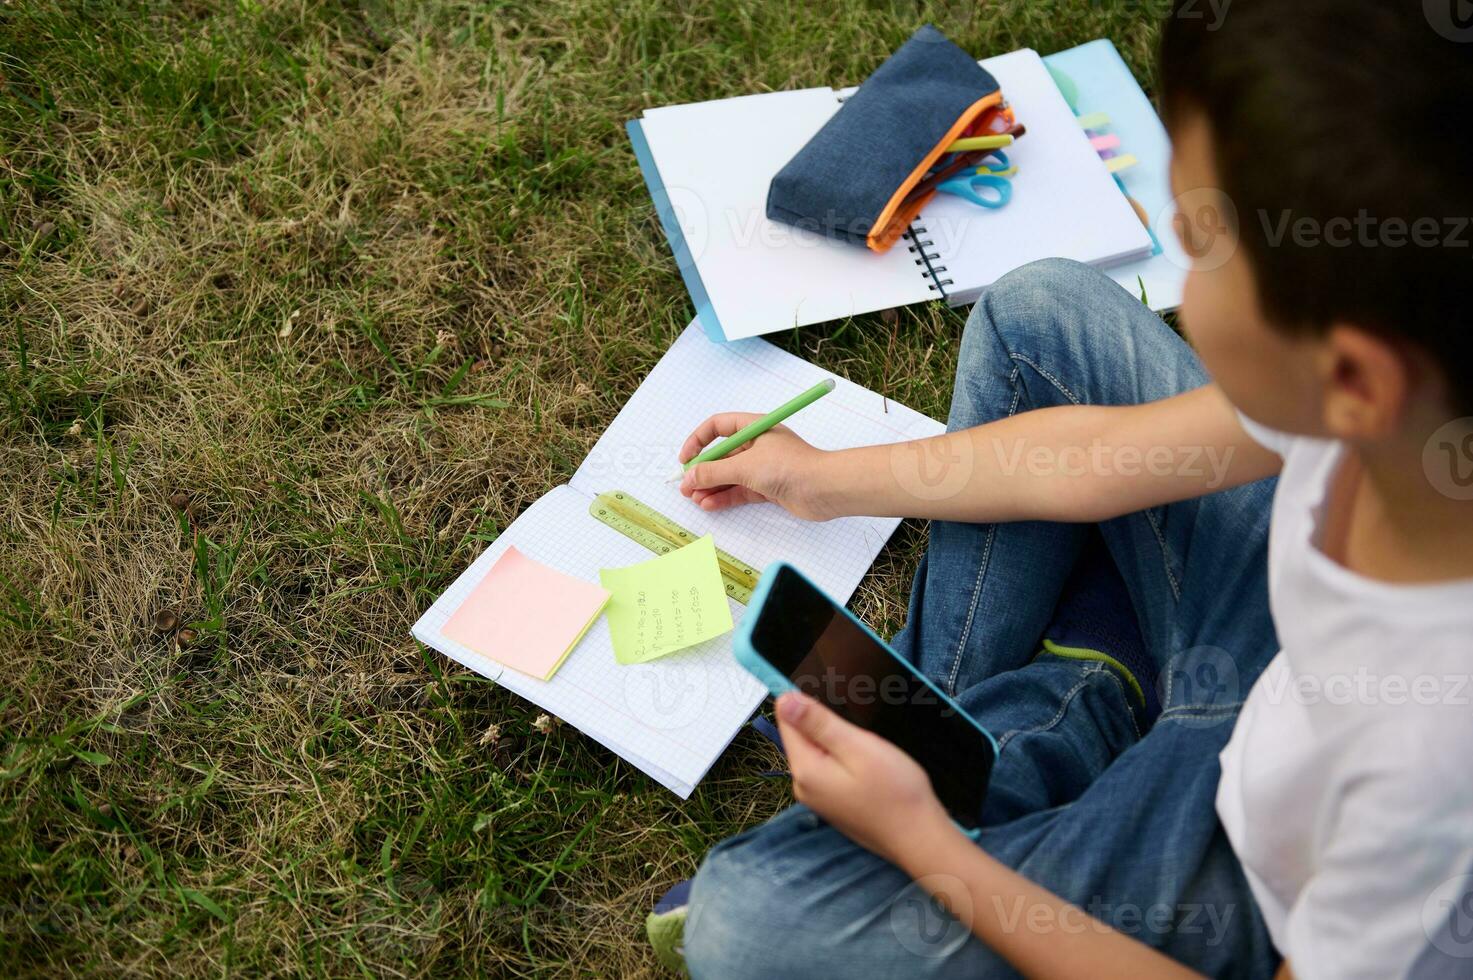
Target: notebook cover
705, 312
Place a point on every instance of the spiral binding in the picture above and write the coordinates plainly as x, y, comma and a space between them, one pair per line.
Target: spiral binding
914, 233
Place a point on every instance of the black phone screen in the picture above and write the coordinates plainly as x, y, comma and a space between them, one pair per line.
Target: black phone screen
829, 657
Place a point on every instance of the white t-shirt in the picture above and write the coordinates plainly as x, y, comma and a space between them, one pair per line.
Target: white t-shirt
1347, 785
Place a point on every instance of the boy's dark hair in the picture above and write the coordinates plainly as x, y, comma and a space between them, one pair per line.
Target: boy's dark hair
1341, 130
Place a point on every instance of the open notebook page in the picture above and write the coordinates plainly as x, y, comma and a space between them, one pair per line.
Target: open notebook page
672, 717
716, 160
697, 378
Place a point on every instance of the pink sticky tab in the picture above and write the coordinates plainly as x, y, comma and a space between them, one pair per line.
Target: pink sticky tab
1107, 142
526, 615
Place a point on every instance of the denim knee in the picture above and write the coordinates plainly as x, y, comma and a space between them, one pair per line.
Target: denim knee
795, 898
729, 929
1067, 333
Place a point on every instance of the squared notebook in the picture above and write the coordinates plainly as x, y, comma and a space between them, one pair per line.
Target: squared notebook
673, 716
708, 165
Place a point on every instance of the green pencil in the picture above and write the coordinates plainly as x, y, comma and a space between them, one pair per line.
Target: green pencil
747, 433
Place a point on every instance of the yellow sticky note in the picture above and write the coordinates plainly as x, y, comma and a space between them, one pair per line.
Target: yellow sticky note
526, 615
666, 604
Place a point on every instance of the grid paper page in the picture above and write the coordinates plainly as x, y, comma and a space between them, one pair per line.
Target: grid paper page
697, 378
672, 717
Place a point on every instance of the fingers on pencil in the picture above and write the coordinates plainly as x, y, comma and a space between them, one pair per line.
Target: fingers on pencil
724, 497
718, 426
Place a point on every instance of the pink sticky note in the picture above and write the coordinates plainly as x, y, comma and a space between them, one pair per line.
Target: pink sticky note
526, 615
1102, 143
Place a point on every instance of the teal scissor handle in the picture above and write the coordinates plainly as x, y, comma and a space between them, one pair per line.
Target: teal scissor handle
967, 187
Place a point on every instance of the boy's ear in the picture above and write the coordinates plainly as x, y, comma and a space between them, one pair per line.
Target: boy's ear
1367, 383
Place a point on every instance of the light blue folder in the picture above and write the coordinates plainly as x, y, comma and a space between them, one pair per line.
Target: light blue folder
1104, 84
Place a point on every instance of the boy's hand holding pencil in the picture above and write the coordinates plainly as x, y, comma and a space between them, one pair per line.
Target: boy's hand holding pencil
777, 466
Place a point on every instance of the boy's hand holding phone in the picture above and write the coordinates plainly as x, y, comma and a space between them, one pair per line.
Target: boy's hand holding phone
840, 771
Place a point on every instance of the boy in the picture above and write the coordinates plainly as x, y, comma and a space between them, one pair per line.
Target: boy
1330, 314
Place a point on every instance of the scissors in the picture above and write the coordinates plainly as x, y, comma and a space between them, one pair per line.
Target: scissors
984, 178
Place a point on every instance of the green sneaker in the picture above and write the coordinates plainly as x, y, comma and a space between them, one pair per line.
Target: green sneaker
665, 927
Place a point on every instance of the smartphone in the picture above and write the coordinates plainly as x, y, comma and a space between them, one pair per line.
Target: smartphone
795, 636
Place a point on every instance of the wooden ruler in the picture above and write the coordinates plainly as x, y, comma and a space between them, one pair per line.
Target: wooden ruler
642, 523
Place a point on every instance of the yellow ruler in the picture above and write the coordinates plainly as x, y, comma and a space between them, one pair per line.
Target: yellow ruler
642, 523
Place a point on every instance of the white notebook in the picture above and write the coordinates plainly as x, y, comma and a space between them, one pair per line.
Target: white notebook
672, 717
715, 160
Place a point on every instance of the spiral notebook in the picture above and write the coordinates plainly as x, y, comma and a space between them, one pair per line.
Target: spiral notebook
672, 717
708, 165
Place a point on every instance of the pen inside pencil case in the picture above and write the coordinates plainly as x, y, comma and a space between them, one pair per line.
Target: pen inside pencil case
954, 165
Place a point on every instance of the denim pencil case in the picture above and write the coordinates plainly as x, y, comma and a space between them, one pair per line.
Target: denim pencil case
868, 172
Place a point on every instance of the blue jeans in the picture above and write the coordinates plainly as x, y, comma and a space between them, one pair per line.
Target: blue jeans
1117, 821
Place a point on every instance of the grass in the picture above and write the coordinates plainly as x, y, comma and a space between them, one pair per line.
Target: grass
302, 304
